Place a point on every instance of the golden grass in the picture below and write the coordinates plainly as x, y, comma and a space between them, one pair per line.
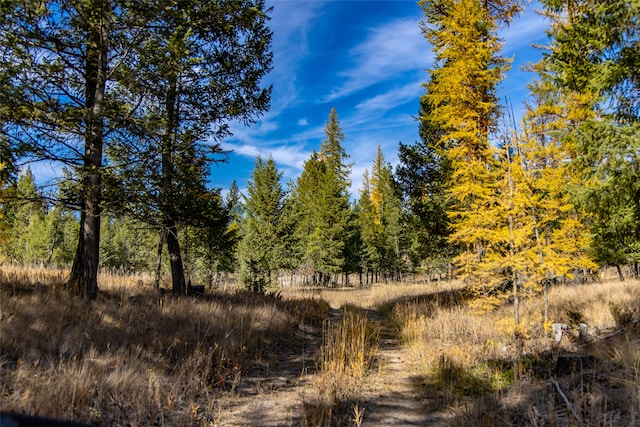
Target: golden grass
131, 356
373, 297
466, 357
20, 276
348, 352
134, 356
593, 301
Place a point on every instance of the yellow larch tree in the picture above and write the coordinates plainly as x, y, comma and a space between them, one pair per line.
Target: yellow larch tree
3, 225
461, 90
560, 238
537, 234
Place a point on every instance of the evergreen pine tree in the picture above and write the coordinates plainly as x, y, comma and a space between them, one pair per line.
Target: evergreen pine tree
424, 175
261, 250
594, 57
325, 227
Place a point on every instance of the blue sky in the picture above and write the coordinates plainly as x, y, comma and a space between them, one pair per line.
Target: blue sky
368, 59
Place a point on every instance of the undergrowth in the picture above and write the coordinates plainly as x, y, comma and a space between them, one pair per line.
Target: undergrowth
498, 373
347, 354
133, 356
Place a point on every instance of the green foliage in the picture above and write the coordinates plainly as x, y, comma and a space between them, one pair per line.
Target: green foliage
59, 106
192, 91
593, 65
595, 49
477, 380
331, 151
36, 232
263, 245
127, 245
147, 83
623, 316
575, 316
609, 166
324, 233
379, 211
7, 160
423, 176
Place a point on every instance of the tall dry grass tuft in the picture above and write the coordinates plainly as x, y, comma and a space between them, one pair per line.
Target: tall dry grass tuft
132, 357
348, 352
593, 301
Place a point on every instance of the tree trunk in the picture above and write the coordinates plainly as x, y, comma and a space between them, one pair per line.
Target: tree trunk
156, 280
83, 280
179, 286
166, 182
514, 272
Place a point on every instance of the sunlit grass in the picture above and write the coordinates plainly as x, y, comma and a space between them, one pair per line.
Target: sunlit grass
373, 297
464, 354
132, 356
348, 353
136, 356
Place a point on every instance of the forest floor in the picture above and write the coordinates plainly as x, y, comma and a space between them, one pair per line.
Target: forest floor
402, 390
410, 354
390, 395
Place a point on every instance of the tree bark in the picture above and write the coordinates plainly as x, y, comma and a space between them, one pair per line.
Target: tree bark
83, 280
179, 286
156, 280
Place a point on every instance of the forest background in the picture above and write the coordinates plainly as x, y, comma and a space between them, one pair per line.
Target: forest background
130, 100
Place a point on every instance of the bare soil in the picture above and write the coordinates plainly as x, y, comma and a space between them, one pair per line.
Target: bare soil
273, 394
394, 394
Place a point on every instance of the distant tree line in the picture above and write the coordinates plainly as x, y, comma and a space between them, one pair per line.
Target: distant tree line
499, 204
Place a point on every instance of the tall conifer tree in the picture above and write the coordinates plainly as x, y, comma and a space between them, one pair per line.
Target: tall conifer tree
200, 66
464, 105
424, 175
63, 56
261, 250
594, 58
380, 219
325, 229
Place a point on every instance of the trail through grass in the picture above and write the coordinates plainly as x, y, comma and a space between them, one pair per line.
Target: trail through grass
389, 355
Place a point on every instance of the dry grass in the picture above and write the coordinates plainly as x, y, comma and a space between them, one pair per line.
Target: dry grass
498, 374
374, 297
132, 357
593, 301
136, 357
348, 352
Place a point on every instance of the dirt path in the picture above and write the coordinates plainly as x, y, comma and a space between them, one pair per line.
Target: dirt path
273, 395
394, 396
273, 392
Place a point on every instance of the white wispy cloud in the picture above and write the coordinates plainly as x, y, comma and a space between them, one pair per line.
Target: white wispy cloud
290, 22
289, 157
527, 28
389, 50
392, 98
303, 122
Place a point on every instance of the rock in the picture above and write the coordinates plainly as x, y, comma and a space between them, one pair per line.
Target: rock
556, 330
584, 332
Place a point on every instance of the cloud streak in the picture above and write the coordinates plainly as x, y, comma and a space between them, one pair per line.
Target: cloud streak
390, 50
370, 66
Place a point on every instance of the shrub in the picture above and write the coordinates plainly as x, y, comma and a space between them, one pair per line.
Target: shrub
623, 316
